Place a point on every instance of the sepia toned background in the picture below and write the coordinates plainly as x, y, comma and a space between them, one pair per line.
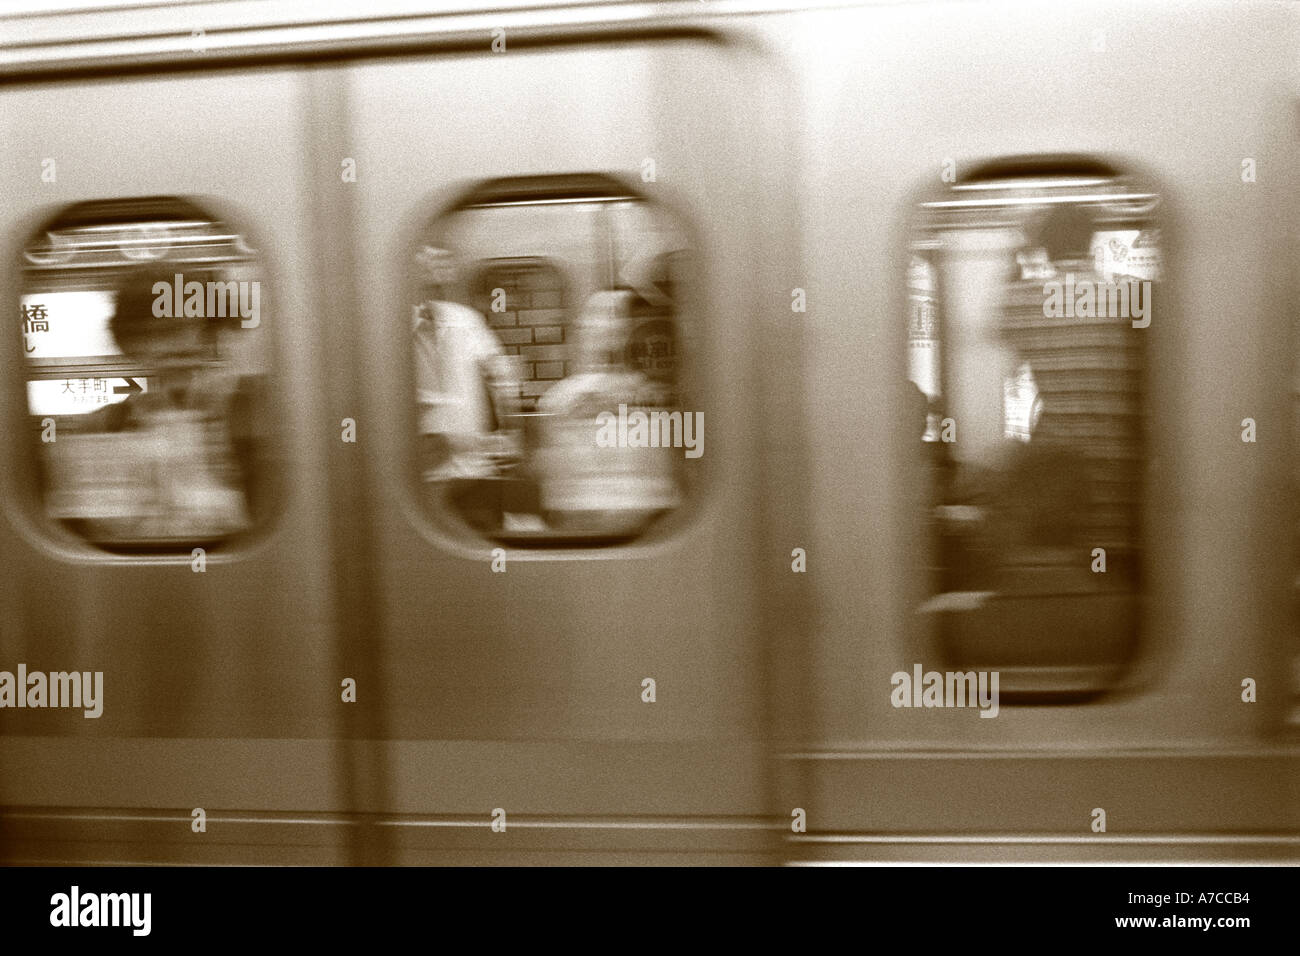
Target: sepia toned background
360, 592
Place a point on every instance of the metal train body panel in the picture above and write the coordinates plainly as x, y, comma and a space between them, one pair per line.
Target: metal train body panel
794, 145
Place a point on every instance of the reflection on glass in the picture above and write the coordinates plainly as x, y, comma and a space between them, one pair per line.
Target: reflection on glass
140, 332
537, 323
1030, 302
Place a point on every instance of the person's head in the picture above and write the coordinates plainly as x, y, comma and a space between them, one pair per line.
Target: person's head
437, 272
1065, 232
149, 322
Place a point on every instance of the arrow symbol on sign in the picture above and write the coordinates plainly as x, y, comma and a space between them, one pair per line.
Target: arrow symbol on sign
130, 388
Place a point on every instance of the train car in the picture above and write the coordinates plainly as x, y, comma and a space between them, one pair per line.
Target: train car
965, 332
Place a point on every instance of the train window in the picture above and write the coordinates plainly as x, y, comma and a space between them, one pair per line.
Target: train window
546, 325
141, 333
1031, 287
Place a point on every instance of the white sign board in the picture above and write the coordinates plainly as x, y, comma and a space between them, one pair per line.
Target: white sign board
77, 396
67, 324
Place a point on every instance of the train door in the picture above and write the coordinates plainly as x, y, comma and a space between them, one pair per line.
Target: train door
567, 633
1069, 496
166, 542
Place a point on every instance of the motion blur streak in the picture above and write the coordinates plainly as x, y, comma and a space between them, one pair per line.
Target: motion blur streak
356, 413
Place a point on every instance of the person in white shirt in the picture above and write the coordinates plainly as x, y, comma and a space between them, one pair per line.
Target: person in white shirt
466, 386
586, 487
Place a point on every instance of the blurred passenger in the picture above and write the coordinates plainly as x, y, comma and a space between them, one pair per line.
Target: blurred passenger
1044, 495
588, 485
1019, 521
161, 464
467, 391
466, 386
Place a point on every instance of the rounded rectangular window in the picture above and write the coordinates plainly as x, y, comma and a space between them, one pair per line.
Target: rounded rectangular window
545, 332
141, 332
1032, 284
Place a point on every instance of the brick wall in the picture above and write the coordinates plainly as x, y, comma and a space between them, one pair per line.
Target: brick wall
534, 325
